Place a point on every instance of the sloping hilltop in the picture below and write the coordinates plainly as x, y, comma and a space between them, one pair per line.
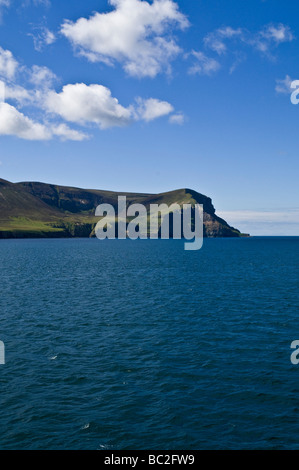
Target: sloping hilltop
36, 210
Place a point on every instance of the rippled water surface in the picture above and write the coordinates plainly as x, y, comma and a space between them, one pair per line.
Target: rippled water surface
141, 345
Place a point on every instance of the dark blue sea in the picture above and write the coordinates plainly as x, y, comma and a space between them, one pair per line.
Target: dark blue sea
142, 345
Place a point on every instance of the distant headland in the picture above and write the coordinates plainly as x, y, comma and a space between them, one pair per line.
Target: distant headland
40, 210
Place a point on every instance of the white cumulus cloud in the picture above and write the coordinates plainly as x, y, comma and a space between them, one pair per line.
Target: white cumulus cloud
94, 104
84, 104
135, 33
14, 123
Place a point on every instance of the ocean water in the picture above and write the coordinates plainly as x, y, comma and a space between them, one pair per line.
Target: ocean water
142, 345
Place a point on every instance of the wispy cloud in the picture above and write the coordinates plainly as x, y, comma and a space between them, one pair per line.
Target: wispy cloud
277, 33
227, 40
4, 4
45, 3
284, 85
203, 65
42, 77
264, 222
42, 37
178, 118
8, 64
150, 109
216, 40
270, 36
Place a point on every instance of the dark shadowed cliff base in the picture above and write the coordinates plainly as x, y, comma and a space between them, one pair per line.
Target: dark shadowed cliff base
39, 210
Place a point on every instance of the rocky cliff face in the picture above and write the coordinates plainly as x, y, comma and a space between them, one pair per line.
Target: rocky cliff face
33, 209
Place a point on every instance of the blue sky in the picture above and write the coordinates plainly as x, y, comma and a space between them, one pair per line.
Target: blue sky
132, 95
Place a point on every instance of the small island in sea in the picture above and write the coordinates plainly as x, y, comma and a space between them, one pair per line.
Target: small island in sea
40, 210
